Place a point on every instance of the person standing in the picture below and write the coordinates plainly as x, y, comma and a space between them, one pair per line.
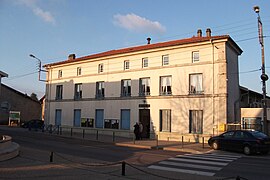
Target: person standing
137, 131
141, 130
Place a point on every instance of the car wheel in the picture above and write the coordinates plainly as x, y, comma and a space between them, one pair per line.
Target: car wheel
215, 145
247, 150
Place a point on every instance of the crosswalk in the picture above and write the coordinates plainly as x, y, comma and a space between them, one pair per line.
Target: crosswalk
200, 164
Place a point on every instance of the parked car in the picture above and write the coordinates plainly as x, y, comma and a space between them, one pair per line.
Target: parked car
34, 123
246, 141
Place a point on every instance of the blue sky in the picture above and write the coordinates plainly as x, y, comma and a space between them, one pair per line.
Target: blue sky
52, 29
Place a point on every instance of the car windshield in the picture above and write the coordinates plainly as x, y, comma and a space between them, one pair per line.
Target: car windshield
258, 134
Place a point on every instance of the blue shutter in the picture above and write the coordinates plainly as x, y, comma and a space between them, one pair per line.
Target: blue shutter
99, 118
125, 119
58, 114
77, 117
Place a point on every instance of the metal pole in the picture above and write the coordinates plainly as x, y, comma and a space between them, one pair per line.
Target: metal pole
182, 142
70, 131
123, 168
113, 136
51, 157
83, 133
97, 135
264, 76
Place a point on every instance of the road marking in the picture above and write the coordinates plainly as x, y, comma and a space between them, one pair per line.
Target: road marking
191, 165
198, 161
226, 155
214, 155
182, 170
206, 158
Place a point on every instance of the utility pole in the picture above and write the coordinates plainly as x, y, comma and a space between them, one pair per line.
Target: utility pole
264, 76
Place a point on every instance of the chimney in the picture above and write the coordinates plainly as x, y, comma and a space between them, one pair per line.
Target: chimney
208, 32
71, 56
148, 40
199, 33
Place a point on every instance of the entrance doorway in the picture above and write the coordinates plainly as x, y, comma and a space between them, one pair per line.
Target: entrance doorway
144, 115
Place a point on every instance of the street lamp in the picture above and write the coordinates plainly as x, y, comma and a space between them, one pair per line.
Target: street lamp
39, 66
264, 76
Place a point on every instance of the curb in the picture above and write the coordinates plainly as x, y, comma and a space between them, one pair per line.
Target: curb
10, 152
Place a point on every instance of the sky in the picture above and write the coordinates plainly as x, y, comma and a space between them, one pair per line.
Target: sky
53, 29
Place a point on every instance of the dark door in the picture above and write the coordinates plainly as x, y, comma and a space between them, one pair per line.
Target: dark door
144, 115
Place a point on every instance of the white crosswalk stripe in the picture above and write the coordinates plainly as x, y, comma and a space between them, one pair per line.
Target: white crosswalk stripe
200, 164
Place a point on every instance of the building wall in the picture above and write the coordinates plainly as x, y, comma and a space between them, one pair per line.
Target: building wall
213, 101
29, 109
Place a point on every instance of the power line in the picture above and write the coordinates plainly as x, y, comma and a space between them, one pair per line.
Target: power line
20, 76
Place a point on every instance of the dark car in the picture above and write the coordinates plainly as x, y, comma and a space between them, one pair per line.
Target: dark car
34, 123
246, 141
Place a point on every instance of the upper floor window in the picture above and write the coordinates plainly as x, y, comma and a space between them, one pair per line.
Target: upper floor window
78, 91
60, 73
166, 85
126, 65
165, 60
195, 84
59, 92
100, 91
144, 86
79, 71
100, 68
195, 56
144, 62
126, 87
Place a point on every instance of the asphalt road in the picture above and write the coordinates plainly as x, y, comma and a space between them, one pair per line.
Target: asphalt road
83, 159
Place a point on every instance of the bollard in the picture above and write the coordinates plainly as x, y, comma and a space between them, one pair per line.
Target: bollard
113, 136
203, 142
157, 141
133, 139
123, 168
182, 142
97, 135
60, 130
51, 157
70, 131
83, 133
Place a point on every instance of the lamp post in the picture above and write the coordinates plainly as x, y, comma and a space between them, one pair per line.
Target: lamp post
264, 76
39, 66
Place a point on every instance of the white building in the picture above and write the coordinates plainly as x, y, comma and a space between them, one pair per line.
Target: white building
181, 87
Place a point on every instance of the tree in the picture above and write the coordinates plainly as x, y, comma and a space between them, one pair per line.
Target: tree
34, 96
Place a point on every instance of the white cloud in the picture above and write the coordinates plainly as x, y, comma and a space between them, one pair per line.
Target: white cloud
44, 15
136, 23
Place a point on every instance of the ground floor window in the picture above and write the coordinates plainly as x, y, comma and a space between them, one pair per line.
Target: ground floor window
252, 123
196, 121
111, 123
165, 120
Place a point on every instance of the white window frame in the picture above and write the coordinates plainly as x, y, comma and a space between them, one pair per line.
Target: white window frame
144, 62
196, 83
165, 60
144, 87
100, 68
126, 87
126, 65
79, 71
195, 56
60, 73
196, 121
165, 116
165, 87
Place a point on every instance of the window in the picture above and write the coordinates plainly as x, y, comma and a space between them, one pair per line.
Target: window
59, 92
78, 91
79, 71
100, 89
60, 74
195, 84
126, 65
144, 87
196, 121
195, 56
126, 87
144, 62
111, 123
166, 85
100, 68
165, 120
165, 60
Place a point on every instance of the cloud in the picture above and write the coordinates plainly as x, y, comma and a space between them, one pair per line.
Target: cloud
44, 15
136, 23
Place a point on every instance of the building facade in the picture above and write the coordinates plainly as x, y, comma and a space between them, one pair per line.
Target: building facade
13, 100
187, 86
